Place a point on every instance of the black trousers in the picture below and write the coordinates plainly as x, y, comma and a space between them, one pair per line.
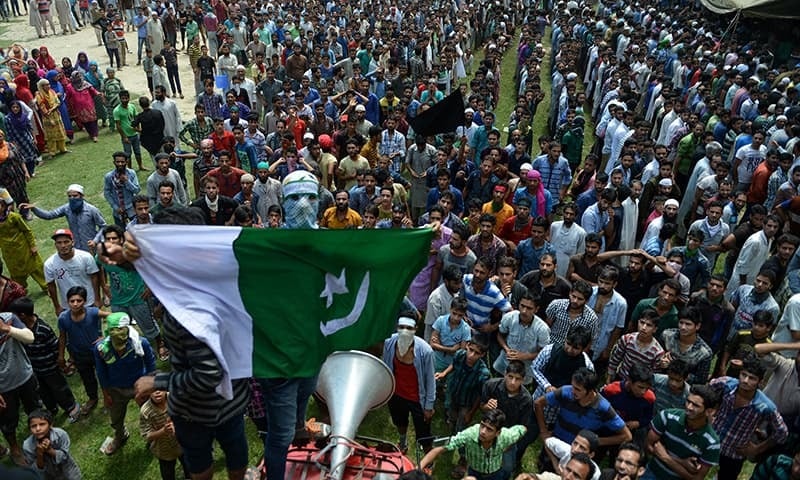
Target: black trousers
55, 391
26, 394
167, 469
400, 408
84, 363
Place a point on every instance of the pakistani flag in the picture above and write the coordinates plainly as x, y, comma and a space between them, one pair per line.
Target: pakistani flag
275, 303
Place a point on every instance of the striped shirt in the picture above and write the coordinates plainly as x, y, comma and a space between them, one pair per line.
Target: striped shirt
680, 442
151, 419
43, 352
573, 417
196, 373
736, 426
480, 459
561, 321
480, 304
627, 352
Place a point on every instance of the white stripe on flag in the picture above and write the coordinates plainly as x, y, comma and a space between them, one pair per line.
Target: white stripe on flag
194, 273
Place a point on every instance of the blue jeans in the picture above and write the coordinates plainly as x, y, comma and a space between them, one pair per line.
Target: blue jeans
285, 400
142, 43
133, 146
197, 442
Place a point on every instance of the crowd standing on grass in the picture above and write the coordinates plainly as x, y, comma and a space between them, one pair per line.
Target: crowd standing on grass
636, 307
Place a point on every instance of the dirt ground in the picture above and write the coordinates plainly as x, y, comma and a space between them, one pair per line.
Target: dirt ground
19, 31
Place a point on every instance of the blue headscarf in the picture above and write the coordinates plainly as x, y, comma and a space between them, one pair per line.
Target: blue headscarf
94, 77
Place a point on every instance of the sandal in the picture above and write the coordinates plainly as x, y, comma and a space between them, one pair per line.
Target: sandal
88, 407
115, 445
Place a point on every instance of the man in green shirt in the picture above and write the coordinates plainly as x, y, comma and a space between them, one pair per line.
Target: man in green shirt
778, 467
124, 113
127, 293
668, 294
683, 443
483, 444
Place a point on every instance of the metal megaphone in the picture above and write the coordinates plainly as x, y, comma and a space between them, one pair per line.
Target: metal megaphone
351, 383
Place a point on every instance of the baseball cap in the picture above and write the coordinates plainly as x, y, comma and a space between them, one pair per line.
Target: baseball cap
62, 232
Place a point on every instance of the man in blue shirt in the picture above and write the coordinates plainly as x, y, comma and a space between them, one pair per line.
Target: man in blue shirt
140, 22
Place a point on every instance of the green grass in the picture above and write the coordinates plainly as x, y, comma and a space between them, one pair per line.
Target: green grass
87, 165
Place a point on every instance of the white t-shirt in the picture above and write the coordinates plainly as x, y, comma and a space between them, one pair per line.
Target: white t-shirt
77, 271
750, 160
563, 451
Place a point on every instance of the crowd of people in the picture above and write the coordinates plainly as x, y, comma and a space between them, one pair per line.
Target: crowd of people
635, 307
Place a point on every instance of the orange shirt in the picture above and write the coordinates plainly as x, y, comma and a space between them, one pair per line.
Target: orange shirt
504, 214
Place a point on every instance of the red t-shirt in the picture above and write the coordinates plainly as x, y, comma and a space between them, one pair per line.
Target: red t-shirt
516, 236
406, 382
229, 185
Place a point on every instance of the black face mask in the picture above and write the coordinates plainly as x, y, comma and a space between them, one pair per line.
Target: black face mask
169, 148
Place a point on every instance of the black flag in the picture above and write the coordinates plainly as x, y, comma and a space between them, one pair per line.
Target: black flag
444, 117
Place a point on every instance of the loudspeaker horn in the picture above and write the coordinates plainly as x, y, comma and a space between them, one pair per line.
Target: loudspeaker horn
351, 383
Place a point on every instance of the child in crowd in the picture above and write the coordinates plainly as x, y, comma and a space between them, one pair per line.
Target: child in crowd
43, 354
147, 65
159, 433
112, 46
450, 334
464, 377
47, 449
78, 331
638, 347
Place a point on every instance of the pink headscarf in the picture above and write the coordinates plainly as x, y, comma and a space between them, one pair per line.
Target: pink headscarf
541, 203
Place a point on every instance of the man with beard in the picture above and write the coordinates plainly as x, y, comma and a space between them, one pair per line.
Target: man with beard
497, 207
438, 303
518, 227
735, 241
206, 162
486, 244
654, 187
683, 443
567, 237
196, 129
611, 309
169, 111
564, 314
400, 218
341, 215
119, 187
714, 231
217, 209
268, 189
629, 464
664, 305
545, 283
228, 176
245, 151
164, 173
630, 214
411, 360
484, 298
455, 253
166, 197
635, 280
670, 215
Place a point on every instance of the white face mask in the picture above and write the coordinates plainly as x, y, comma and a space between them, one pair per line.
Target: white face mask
675, 266
405, 339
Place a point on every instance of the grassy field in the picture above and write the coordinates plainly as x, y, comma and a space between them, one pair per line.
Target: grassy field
86, 165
